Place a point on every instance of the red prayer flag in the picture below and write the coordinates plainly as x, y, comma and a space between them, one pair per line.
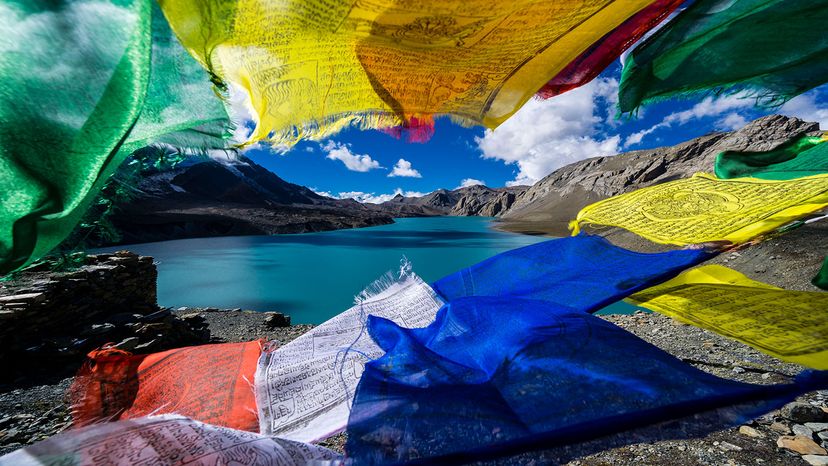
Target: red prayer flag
208, 383
595, 59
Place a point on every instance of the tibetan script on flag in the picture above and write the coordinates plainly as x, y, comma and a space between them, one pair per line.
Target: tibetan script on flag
312, 67
703, 208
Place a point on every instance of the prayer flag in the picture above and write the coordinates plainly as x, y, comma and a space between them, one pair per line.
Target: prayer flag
771, 49
598, 56
821, 278
74, 104
499, 376
789, 325
804, 156
168, 440
304, 389
578, 72
210, 383
584, 272
703, 208
313, 67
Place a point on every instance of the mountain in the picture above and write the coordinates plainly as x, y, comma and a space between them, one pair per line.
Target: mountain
475, 200
484, 201
240, 181
548, 206
235, 197
433, 204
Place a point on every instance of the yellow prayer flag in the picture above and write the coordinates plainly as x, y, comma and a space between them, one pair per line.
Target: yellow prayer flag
789, 325
703, 208
312, 67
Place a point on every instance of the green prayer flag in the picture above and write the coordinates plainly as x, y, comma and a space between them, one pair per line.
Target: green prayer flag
771, 49
181, 108
74, 103
804, 156
821, 279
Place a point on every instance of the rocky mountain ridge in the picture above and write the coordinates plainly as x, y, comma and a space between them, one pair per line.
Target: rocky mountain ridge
477, 200
236, 197
548, 206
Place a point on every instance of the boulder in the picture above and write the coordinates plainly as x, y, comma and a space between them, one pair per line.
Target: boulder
816, 460
801, 445
750, 432
803, 412
276, 320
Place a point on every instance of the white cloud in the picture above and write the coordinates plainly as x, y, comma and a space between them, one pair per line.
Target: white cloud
637, 137
708, 107
732, 121
403, 168
807, 107
466, 182
369, 198
547, 134
241, 114
354, 162
606, 91
323, 193
372, 198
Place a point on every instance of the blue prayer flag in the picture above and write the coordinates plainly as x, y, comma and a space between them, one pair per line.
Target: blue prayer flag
584, 272
499, 376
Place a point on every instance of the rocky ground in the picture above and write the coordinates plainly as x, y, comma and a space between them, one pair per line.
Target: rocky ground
798, 434
234, 325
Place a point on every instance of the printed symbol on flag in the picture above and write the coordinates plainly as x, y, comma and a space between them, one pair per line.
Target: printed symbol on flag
686, 204
436, 30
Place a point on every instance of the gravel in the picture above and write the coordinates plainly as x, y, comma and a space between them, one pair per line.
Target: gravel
29, 414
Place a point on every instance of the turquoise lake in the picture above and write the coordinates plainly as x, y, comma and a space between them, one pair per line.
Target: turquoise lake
314, 276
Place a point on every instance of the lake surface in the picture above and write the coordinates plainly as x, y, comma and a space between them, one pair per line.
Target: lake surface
314, 276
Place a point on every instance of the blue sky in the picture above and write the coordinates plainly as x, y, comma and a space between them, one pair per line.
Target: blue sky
542, 136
